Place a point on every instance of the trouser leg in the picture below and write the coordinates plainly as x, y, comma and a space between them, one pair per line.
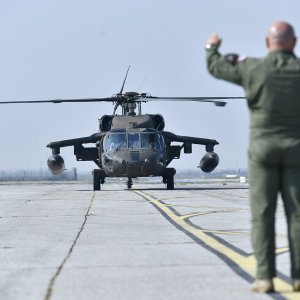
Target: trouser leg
264, 184
291, 199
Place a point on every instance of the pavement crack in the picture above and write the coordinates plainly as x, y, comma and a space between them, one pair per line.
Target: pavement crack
61, 266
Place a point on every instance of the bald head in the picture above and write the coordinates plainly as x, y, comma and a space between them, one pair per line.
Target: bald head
281, 35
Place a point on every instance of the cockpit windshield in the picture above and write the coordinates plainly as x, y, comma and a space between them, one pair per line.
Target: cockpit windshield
150, 140
133, 140
115, 141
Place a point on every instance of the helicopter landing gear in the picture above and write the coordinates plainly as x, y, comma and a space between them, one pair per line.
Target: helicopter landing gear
168, 178
98, 179
129, 183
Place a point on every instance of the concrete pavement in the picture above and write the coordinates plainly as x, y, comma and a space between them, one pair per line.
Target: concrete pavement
64, 241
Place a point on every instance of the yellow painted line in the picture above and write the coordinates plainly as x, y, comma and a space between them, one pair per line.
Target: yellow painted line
247, 264
282, 250
195, 215
188, 216
226, 232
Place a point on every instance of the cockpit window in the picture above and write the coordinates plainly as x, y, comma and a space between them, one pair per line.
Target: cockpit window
134, 140
115, 141
150, 140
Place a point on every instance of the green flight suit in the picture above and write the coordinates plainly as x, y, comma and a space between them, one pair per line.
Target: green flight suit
272, 87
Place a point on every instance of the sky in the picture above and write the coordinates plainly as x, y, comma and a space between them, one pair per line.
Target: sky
78, 49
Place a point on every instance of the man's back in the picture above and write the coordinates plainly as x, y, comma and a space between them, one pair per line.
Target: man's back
272, 86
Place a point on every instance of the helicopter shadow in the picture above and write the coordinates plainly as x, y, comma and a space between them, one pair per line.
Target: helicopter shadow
225, 187
196, 189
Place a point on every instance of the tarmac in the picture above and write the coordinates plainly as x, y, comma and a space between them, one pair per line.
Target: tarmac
65, 241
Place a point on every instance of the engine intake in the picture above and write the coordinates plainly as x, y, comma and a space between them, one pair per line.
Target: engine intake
105, 122
158, 121
209, 162
56, 164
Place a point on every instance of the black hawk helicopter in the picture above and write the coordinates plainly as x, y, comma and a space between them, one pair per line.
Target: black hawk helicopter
132, 144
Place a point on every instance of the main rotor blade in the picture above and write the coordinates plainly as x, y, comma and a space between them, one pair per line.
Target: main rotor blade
109, 99
196, 99
191, 98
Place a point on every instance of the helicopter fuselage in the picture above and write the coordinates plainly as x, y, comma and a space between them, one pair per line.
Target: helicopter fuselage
132, 146
130, 152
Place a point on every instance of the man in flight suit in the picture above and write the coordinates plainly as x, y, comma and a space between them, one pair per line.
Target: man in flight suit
272, 87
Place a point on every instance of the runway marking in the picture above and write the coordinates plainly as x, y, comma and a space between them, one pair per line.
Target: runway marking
226, 232
243, 264
188, 216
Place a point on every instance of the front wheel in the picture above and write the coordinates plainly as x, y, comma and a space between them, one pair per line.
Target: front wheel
129, 183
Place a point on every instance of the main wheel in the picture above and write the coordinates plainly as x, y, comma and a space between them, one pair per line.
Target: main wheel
170, 172
170, 182
96, 180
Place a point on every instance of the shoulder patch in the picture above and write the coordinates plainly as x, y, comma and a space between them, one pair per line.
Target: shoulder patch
232, 58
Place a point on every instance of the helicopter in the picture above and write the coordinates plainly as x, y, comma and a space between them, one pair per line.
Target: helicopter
132, 144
